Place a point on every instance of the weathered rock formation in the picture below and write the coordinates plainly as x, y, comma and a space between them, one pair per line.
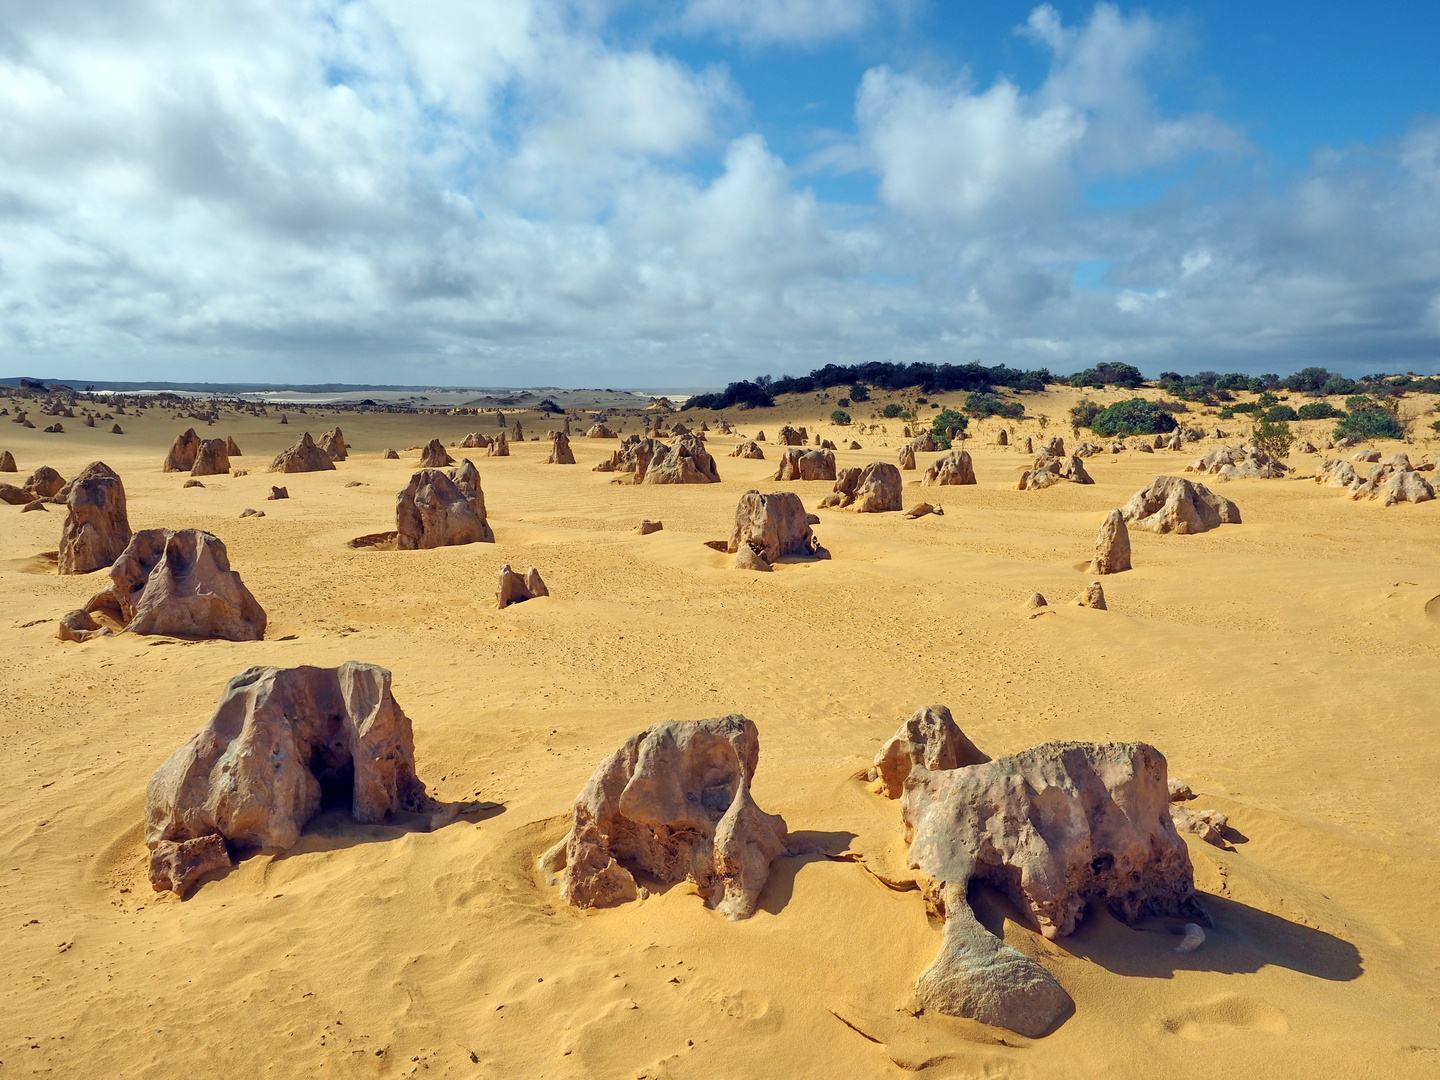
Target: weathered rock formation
1239, 463
7, 462
97, 528
673, 802
499, 447
174, 583
683, 461
1049, 471
954, 468
931, 739
475, 441
1173, 504
1003, 439
1112, 546
281, 743
467, 480
920, 509
231, 449
181, 457
1092, 596
790, 436
1055, 828
212, 459
871, 490
433, 512
277, 493
434, 456
1088, 449
560, 452
646, 527
907, 456
772, 525
44, 483
518, 433
924, 443
514, 589
304, 456
600, 431
333, 443
797, 463
1209, 825
749, 449
1337, 474
391, 454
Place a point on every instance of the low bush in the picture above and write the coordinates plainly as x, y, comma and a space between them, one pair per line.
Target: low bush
1280, 413
1319, 410
840, 416
983, 405
1135, 416
891, 411
1371, 421
1084, 414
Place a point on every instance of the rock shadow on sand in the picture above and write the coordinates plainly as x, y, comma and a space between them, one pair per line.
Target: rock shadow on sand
801, 849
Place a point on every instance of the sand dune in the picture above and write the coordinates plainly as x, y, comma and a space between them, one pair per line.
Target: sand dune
1283, 666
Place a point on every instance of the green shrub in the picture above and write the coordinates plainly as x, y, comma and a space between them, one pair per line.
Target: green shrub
1281, 413
949, 418
1338, 385
891, 411
1372, 421
1084, 414
844, 403
859, 392
983, 405
1359, 401
922, 401
1244, 407
1319, 410
1271, 435
1227, 414
1133, 417
840, 416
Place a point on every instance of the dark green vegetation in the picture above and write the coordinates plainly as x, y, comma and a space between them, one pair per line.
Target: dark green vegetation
1133, 417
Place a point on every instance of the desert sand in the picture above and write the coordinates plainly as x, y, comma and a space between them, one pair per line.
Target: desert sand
1283, 666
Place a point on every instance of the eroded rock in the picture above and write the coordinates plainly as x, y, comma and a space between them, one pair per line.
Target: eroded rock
560, 452
1112, 546
772, 525
7, 462
434, 456
433, 512
953, 468
304, 456
673, 802
181, 456
97, 528
514, 589
930, 738
749, 449
176, 867
797, 463
1092, 596
212, 459
499, 446
333, 444
907, 457
1173, 504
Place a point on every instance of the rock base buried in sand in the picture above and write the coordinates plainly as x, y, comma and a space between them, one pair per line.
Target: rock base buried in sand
1174, 504
432, 511
907, 457
182, 453
954, 468
176, 867
514, 589
1209, 825
277, 493
673, 802
1036, 605
434, 456
1112, 546
560, 452
279, 741
919, 510
1054, 828
800, 464
646, 527
930, 738
7, 462
772, 526
1093, 596
871, 490
747, 558
749, 449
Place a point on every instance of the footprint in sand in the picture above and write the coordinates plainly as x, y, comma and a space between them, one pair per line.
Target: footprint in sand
1225, 1015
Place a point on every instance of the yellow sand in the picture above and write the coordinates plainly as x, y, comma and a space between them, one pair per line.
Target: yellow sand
1285, 667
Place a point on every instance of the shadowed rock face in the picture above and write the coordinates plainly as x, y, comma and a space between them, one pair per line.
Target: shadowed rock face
749, 449
181, 457
772, 525
924, 443
44, 483
790, 436
231, 448
97, 528
673, 802
684, 461
871, 490
7, 461
334, 446
434, 456
278, 740
560, 452
633, 456
499, 446
954, 468
930, 738
174, 583
304, 456
799, 464
514, 589
467, 479
907, 457
1173, 504
1054, 827
1112, 546
433, 512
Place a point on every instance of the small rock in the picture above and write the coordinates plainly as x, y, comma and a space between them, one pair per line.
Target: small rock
514, 589
278, 493
1209, 825
646, 527
193, 483
1179, 790
249, 512
1193, 939
1093, 596
919, 510
747, 558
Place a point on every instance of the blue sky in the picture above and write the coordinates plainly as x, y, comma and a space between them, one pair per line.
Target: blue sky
587, 192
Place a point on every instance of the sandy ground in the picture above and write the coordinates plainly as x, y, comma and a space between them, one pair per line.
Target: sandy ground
1285, 667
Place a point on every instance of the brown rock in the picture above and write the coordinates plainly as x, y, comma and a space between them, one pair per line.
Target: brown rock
176, 867
871, 490
1036, 605
799, 464
907, 456
560, 453
919, 510
179, 584
772, 525
843, 493
390, 454
514, 589
1173, 504
684, 461
750, 449
475, 441
1053, 447
192, 483
1055, 828
212, 459
673, 802
115, 430
467, 480
760, 436
954, 468
1003, 439
748, 558
1112, 546
97, 528
304, 456
181, 457
1336, 473
231, 449
930, 738
434, 456
790, 436
1092, 596
13, 495
277, 493
89, 421
333, 445
44, 482
518, 433
600, 431
924, 443
646, 527
7, 462
1209, 825
34, 504
499, 446
433, 512
279, 743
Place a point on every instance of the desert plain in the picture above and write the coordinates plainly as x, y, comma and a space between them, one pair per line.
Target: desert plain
1284, 667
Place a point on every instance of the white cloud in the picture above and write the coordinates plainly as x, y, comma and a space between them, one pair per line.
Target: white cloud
768, 22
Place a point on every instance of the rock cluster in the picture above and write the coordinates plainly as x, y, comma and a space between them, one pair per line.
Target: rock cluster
514, 589
673, 802
1174, 504
1050, 468
174, 583
790, 436
43, 483
683, 461
748, 449
931, 739
1239, 463
871, 490
97, 528
280, 744
1392, 481
953, 468
181, 456
304, 456
475, 441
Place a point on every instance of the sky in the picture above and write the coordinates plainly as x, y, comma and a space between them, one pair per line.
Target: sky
675, 195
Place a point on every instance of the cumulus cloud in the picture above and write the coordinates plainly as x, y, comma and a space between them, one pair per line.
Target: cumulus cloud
502, 191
